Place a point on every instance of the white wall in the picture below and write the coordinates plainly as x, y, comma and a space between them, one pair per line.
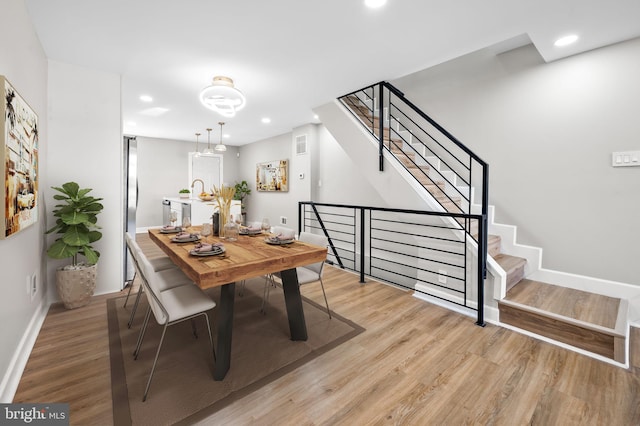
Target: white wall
271, 204
163, 171
547, 130
23, 63
85, 146
340, 180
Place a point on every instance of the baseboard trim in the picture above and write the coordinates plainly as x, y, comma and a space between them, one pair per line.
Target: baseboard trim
11, 379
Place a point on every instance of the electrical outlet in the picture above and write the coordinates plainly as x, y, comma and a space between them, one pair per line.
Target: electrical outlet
442, 276
283, 220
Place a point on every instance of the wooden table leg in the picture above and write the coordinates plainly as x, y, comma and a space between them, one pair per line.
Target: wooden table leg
293, 301
225, 327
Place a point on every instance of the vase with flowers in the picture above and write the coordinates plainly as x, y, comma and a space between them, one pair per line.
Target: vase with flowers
222, 198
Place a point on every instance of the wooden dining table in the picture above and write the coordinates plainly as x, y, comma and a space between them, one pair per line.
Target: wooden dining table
248, 257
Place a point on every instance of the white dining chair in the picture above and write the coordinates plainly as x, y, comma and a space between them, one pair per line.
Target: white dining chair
170, 275
307, 273
169, 307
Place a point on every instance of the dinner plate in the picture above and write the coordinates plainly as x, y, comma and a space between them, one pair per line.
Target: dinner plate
247, 232
170, 231
278, 242
185, 240
218, 251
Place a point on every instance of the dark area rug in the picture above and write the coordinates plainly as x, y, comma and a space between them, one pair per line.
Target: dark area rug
183, 388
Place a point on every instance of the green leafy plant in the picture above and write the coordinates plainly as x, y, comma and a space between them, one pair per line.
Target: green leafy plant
76, 223
242, 190
184, 191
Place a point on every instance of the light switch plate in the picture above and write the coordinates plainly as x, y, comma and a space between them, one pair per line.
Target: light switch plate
625, 158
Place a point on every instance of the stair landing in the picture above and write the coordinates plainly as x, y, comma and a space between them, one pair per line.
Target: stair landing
584, 320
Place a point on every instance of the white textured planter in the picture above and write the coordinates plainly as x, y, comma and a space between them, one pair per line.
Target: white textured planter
76, 286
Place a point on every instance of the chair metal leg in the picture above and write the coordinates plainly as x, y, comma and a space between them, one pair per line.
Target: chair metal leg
136, 352
325, 298
213, 348
135, 306
129, 292
155, 361
268, 281
243, 283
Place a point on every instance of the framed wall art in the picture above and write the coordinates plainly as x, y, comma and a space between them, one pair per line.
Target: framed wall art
273, 176
19, 144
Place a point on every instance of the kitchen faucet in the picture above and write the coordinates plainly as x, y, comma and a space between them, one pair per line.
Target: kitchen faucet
193, 184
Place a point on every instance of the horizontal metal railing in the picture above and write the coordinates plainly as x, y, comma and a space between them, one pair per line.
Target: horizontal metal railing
419, 250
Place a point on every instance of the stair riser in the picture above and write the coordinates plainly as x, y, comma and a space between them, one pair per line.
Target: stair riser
590, 340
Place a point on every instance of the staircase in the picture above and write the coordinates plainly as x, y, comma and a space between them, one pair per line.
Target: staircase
587, 321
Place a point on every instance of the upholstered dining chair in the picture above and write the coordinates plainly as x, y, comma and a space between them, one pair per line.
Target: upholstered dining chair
159, 263
169, 274
307, 273
169, 307
268, 279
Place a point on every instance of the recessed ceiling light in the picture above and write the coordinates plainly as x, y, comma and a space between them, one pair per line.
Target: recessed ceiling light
316, 117
146, 98
266, 120
566, 40
374, 3
226, 136
154, 112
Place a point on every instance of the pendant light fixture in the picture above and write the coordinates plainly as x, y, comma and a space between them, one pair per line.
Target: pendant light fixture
197, 154
208, 151
220, 147
222, 97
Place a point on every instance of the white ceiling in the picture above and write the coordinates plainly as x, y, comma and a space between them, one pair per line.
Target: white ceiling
289, 56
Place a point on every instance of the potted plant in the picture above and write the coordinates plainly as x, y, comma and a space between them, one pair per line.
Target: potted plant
76, 225
184, 193
242, 190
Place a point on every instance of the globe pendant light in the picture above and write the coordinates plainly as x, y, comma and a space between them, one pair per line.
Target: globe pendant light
220, 147
222, 97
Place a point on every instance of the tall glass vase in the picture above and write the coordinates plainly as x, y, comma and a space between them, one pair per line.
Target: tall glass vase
225, 216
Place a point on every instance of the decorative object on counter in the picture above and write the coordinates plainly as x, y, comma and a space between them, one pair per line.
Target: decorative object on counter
222, 97
204, 196
19, 163
242, 190
231, 230
223, 198
220, 147
272, 176
76, 223
184, 193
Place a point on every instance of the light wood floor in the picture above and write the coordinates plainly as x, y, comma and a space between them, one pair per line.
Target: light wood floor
415, 364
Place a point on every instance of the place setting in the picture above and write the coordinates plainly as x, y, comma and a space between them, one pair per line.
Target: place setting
185, 237
206, 249
170, 229
251, 230
282, 238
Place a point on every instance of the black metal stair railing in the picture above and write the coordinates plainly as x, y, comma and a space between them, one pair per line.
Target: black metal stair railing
449, 171
454, 175
412, 249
